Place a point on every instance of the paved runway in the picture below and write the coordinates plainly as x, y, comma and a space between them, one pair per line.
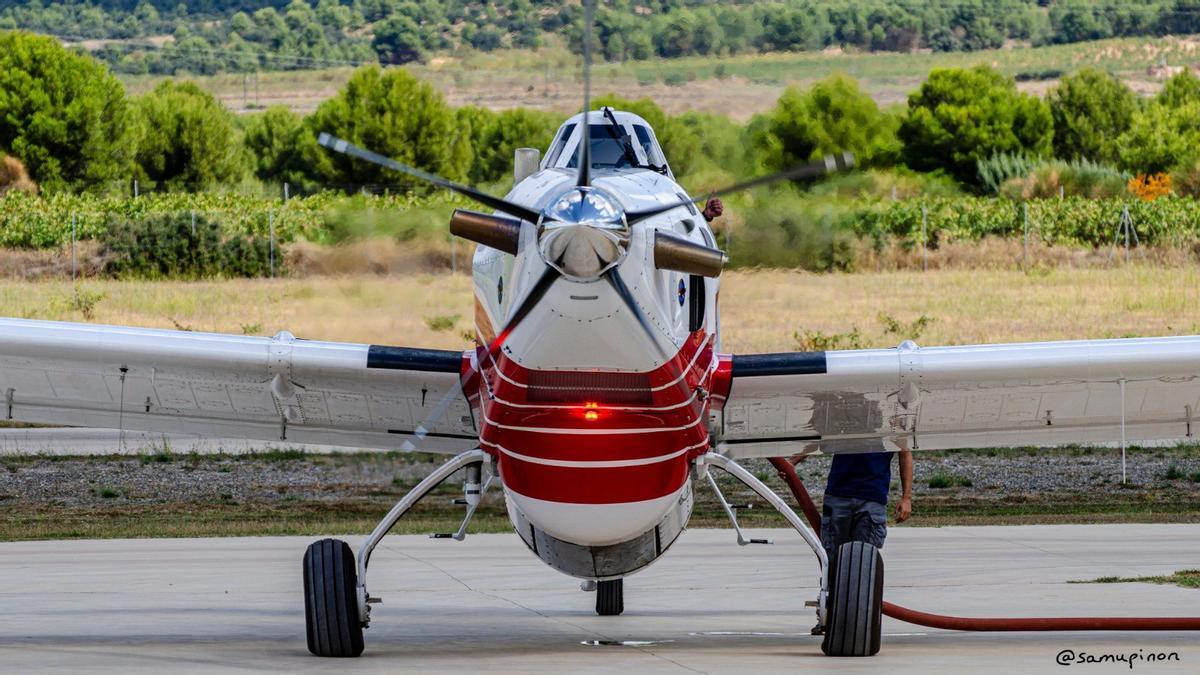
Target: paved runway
226, 605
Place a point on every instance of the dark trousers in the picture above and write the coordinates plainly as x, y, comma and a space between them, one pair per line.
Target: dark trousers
846, 519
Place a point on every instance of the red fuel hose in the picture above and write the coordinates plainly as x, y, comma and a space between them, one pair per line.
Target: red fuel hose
788, 473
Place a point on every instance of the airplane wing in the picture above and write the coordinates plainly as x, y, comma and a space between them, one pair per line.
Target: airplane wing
1041, 393
230, 386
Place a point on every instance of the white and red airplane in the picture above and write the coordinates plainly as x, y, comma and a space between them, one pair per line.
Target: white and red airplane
598, 393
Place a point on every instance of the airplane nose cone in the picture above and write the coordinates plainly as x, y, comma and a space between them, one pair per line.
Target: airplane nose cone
581, 251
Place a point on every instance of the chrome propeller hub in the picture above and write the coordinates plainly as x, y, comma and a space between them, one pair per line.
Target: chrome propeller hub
583, 233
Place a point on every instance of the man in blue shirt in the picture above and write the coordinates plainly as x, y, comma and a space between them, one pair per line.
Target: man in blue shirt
855, 503
856, 495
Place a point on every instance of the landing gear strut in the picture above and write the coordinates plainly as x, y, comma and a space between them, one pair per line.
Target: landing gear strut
337, 606
822, 602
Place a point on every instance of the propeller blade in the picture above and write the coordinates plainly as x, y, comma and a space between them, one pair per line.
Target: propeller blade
614, 279
531, 299
518, 315
830, 164
585, 141
347, 148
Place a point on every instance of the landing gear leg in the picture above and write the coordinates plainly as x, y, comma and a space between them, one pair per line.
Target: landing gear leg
337, 606
734, 469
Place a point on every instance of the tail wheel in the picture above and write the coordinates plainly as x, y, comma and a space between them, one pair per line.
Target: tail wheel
610, 597
331, 600
853, 627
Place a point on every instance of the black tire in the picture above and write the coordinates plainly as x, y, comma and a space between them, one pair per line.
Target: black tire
610, 597
331, 600
854, 623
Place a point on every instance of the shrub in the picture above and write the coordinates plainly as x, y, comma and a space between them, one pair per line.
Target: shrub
1000, 168
1186, 180
395, 114
1081, 178
186, 138
13, 176
1150, 187
885, 184
959, 116
63, 114
833, 116
820, 341
1091, 109
167, 246
940, 481
276, 141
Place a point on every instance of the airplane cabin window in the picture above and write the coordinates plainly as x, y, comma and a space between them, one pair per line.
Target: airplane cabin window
559, 143
648, 145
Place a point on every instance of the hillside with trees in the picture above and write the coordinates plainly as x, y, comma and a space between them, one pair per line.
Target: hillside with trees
963, 159
166, 37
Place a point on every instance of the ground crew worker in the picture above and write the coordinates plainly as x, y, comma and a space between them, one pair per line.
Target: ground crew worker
855, 504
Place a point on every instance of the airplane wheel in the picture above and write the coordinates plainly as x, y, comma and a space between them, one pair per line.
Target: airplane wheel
610, 597
855, 616
331, 600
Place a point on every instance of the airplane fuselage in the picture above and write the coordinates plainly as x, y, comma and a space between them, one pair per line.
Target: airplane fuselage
593, 416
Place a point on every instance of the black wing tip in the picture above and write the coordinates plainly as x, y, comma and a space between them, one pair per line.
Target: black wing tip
786, 363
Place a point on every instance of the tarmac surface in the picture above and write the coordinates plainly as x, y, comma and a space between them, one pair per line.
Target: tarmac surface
235, 605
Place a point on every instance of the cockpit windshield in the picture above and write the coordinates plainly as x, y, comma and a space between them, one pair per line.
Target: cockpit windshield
607, 152
618, 141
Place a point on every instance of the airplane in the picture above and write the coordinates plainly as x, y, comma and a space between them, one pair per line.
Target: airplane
597, 396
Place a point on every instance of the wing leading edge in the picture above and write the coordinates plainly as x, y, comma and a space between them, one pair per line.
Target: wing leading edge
228, 386
1041, 393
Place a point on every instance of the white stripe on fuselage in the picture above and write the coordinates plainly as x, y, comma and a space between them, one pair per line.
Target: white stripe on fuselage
596, 464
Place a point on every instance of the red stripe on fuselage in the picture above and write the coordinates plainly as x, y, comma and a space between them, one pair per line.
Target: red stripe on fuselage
593, 485
593, 431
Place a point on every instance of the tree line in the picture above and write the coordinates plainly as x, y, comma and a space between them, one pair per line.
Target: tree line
71, 124
242, 35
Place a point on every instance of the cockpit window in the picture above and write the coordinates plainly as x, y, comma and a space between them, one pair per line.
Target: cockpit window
607, 152
559, 143
643, 136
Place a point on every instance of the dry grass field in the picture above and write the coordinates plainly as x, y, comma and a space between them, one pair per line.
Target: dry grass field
762, 310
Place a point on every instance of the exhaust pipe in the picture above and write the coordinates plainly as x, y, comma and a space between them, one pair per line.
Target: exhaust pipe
498, 232
681, 255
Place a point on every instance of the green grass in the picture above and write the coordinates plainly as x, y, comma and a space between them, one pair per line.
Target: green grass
940, 481
222, 516
1184, 578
